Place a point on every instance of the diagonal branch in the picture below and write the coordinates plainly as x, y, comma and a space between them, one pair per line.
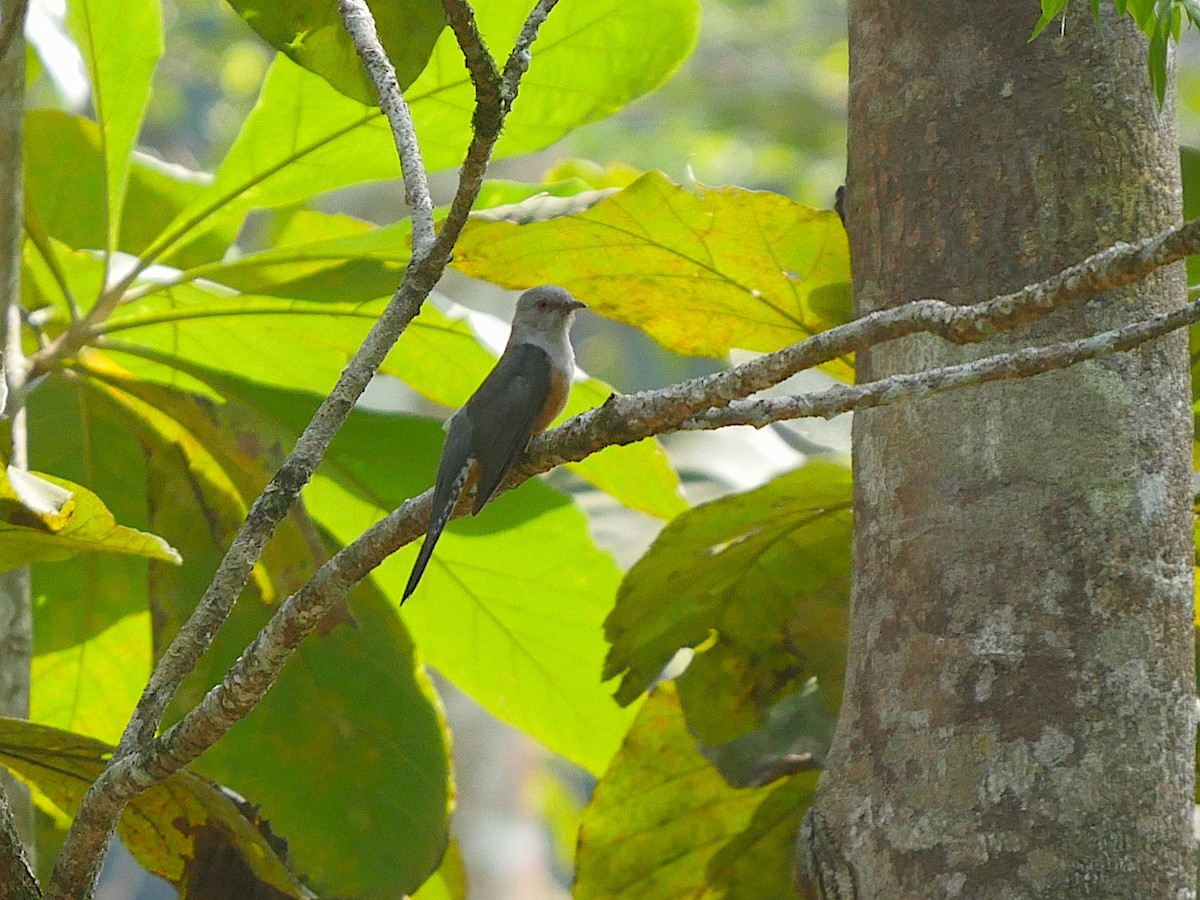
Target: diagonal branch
260, 664
78, 864
360, 25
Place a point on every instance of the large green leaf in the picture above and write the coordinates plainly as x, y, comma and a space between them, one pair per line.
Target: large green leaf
172, 829
663, 824
121, 43
380, 736
65, 191
312, 34
590, 59
304, 138
700, 272
758, 583
91, 617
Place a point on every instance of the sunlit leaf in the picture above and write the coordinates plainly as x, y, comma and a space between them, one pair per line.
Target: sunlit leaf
589, 60
700, 272
39, 523
304, 138
121, 44
381, 735
758, 582
663, 824
91, 615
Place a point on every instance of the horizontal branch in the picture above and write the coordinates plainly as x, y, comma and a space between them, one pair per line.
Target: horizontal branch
642, 415
919, 385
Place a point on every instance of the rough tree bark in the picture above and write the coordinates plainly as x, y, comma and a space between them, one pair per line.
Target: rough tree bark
1019, 714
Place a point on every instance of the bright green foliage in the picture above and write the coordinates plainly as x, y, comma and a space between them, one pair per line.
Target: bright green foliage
208, 343
311, 33
589, 60
677, 264
663, 823
758, 583
172, 829
1160, 20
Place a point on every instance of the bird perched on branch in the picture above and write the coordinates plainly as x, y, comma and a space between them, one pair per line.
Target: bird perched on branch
521, 396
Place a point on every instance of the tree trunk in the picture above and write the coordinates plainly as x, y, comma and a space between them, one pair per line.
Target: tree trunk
1019, 713
16, 620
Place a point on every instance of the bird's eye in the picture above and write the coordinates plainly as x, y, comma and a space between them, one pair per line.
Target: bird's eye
542, 304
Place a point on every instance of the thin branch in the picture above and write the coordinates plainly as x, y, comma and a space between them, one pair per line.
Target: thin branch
920, 385
360, 25
492, 103
480, 65
260, 664
129, 773
519, 59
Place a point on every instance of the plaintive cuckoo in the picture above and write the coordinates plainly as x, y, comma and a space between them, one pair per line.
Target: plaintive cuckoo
519, 398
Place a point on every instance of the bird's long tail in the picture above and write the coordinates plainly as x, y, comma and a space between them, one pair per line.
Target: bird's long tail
445, 497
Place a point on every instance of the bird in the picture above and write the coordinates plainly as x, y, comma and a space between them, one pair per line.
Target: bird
522, 394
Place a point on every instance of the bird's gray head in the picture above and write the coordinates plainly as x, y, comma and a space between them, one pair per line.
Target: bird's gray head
546, 310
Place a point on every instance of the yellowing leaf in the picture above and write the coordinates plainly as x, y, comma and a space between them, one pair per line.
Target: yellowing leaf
48, 518
170, 828
700, 272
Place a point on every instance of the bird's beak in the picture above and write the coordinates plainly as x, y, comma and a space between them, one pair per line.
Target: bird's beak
575, 304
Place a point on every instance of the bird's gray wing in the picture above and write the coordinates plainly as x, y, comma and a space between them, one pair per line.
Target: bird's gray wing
503, 413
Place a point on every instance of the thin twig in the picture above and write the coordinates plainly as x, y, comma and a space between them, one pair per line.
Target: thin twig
360, 25
920, 385
258, 667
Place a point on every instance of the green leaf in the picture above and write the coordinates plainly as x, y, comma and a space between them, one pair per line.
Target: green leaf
701, 273
758, 583
311, 33
663, 824
47, 518
304, 138
319, 257
384, 743
1050, 11
590, 59
638, 475
1157, 63
121, 44
65, 191
91, 617
449, 882
293, 343
170, 829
